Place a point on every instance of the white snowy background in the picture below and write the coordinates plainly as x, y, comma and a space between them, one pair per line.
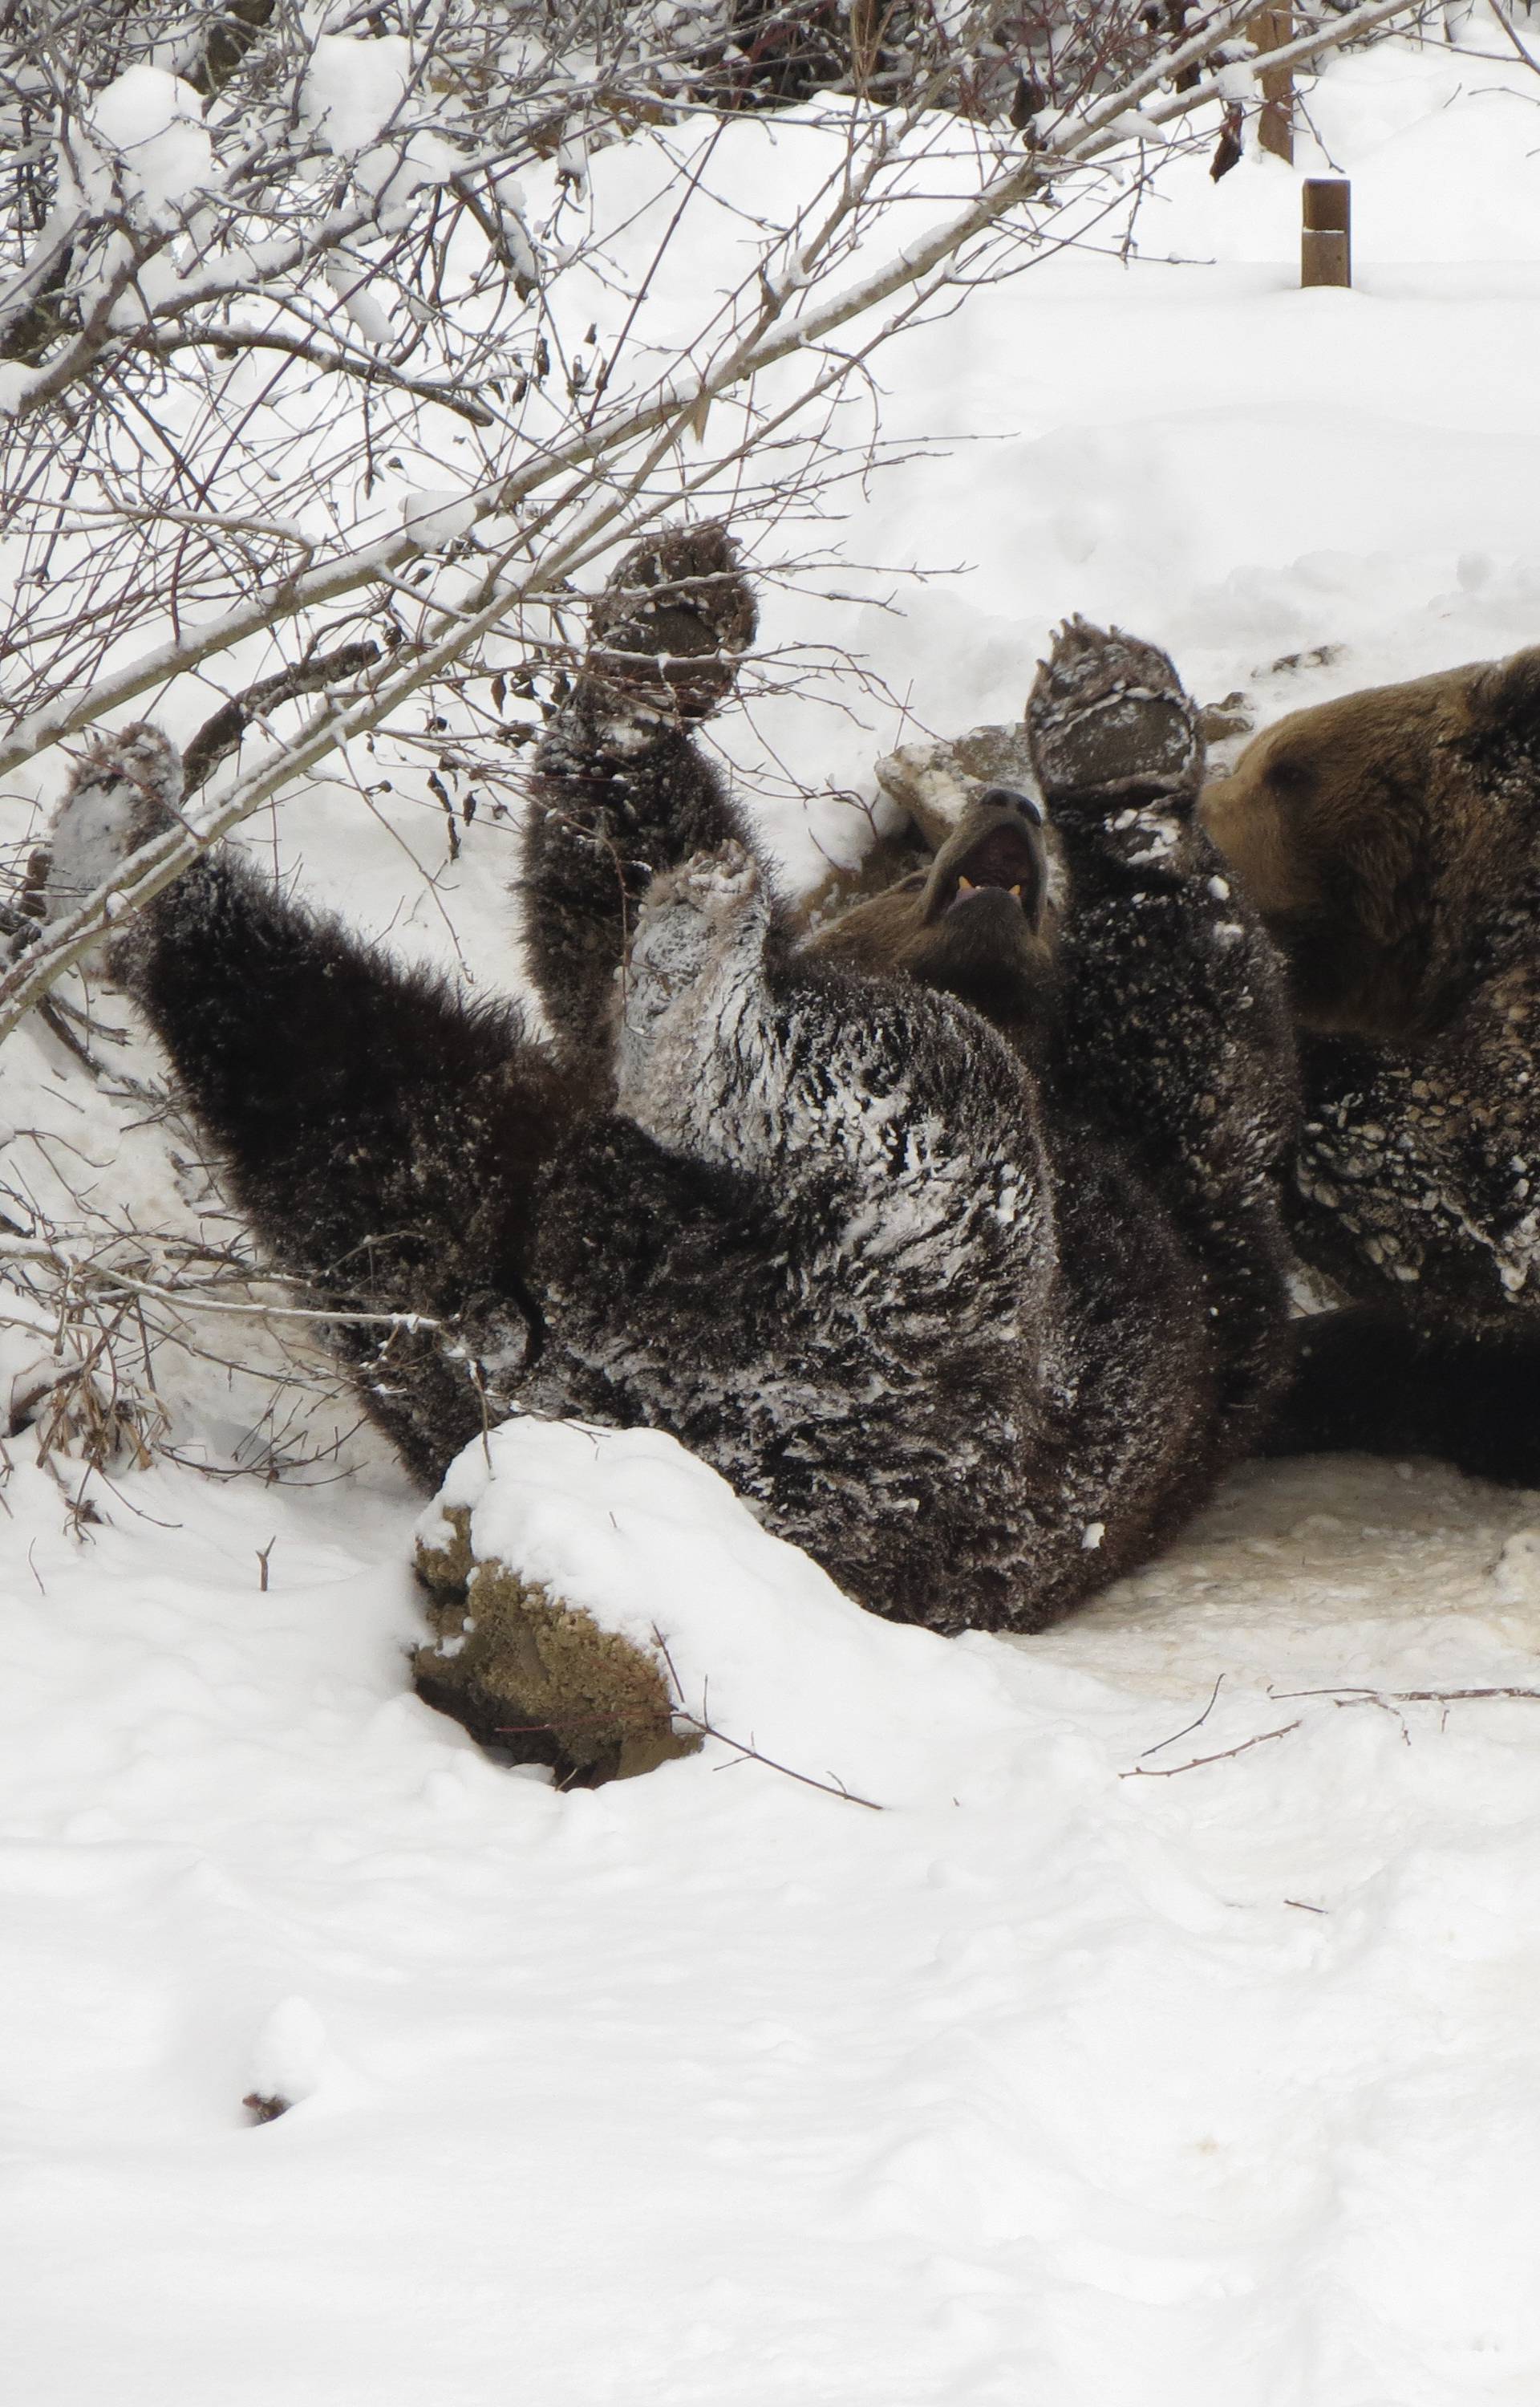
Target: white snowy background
1052, 2082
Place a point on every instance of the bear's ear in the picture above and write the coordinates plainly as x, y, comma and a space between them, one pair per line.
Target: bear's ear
1497, 718
1505, 699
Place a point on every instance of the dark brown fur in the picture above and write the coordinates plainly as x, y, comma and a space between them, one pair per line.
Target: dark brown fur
952, 1239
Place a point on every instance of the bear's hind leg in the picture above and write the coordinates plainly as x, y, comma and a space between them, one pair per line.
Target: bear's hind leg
384, 1137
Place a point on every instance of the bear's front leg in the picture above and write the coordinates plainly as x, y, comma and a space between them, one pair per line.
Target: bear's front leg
1176, 1034
692, 986
622, 790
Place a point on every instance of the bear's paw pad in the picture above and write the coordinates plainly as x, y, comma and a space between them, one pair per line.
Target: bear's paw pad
672, 622
1107, 712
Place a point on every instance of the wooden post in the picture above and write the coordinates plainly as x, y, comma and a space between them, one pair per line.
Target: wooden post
1326, 241
1269, 29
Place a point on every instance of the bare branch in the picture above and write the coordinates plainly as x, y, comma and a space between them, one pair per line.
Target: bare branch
1403, 1696
1169, 1770
745, 1747
785, 307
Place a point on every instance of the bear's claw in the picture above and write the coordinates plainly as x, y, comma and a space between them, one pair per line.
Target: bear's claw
1107, 716
687, 915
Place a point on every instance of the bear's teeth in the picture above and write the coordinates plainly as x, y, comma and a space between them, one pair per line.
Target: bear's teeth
965, 886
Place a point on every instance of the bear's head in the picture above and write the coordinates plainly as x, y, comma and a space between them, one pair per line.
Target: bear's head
1375, 834
979, 922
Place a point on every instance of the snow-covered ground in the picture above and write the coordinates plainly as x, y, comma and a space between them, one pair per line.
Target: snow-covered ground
1058, 2080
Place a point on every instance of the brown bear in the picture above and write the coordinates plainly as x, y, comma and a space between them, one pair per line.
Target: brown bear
1390, 841
956, 1243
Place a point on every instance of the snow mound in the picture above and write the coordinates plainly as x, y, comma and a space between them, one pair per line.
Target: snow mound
757, 1647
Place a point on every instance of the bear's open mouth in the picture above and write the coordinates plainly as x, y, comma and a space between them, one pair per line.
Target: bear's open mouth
1008, 862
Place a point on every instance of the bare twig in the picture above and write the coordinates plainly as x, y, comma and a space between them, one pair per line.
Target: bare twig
1405, 1696
194, 1297
1187, 1727
1169, 1770
833, 1786
220, 735
1511, 30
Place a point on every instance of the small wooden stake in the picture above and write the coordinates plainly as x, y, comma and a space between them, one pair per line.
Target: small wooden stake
1326, 242
1270, 29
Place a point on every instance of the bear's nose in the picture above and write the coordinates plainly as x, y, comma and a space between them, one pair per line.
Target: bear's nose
1011, 798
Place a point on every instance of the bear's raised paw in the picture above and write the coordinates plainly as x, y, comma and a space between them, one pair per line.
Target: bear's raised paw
1108, 717
671, 623
125, 791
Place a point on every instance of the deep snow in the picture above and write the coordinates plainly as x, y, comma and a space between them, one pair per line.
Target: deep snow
1046, 2083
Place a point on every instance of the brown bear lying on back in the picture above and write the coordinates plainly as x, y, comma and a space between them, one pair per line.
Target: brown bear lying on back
1390, 841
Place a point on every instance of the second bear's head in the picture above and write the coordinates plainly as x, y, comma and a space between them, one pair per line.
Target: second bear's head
980, 922
1382, 837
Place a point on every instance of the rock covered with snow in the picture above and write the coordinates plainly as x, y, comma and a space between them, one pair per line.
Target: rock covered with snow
937, 783
603, 1597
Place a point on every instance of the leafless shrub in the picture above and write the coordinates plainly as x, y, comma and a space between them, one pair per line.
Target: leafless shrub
337, 351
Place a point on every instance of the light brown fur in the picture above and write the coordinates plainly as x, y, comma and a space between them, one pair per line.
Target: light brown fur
1392, 843
1376, 834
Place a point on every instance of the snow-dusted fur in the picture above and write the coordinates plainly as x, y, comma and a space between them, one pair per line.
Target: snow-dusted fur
1392, 840
621, 790
967, 1270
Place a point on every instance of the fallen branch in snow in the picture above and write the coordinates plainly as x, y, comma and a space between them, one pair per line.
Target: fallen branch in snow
1388, 1699
1169, 1770
706, 1728
1403, 1696
1187, 1727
